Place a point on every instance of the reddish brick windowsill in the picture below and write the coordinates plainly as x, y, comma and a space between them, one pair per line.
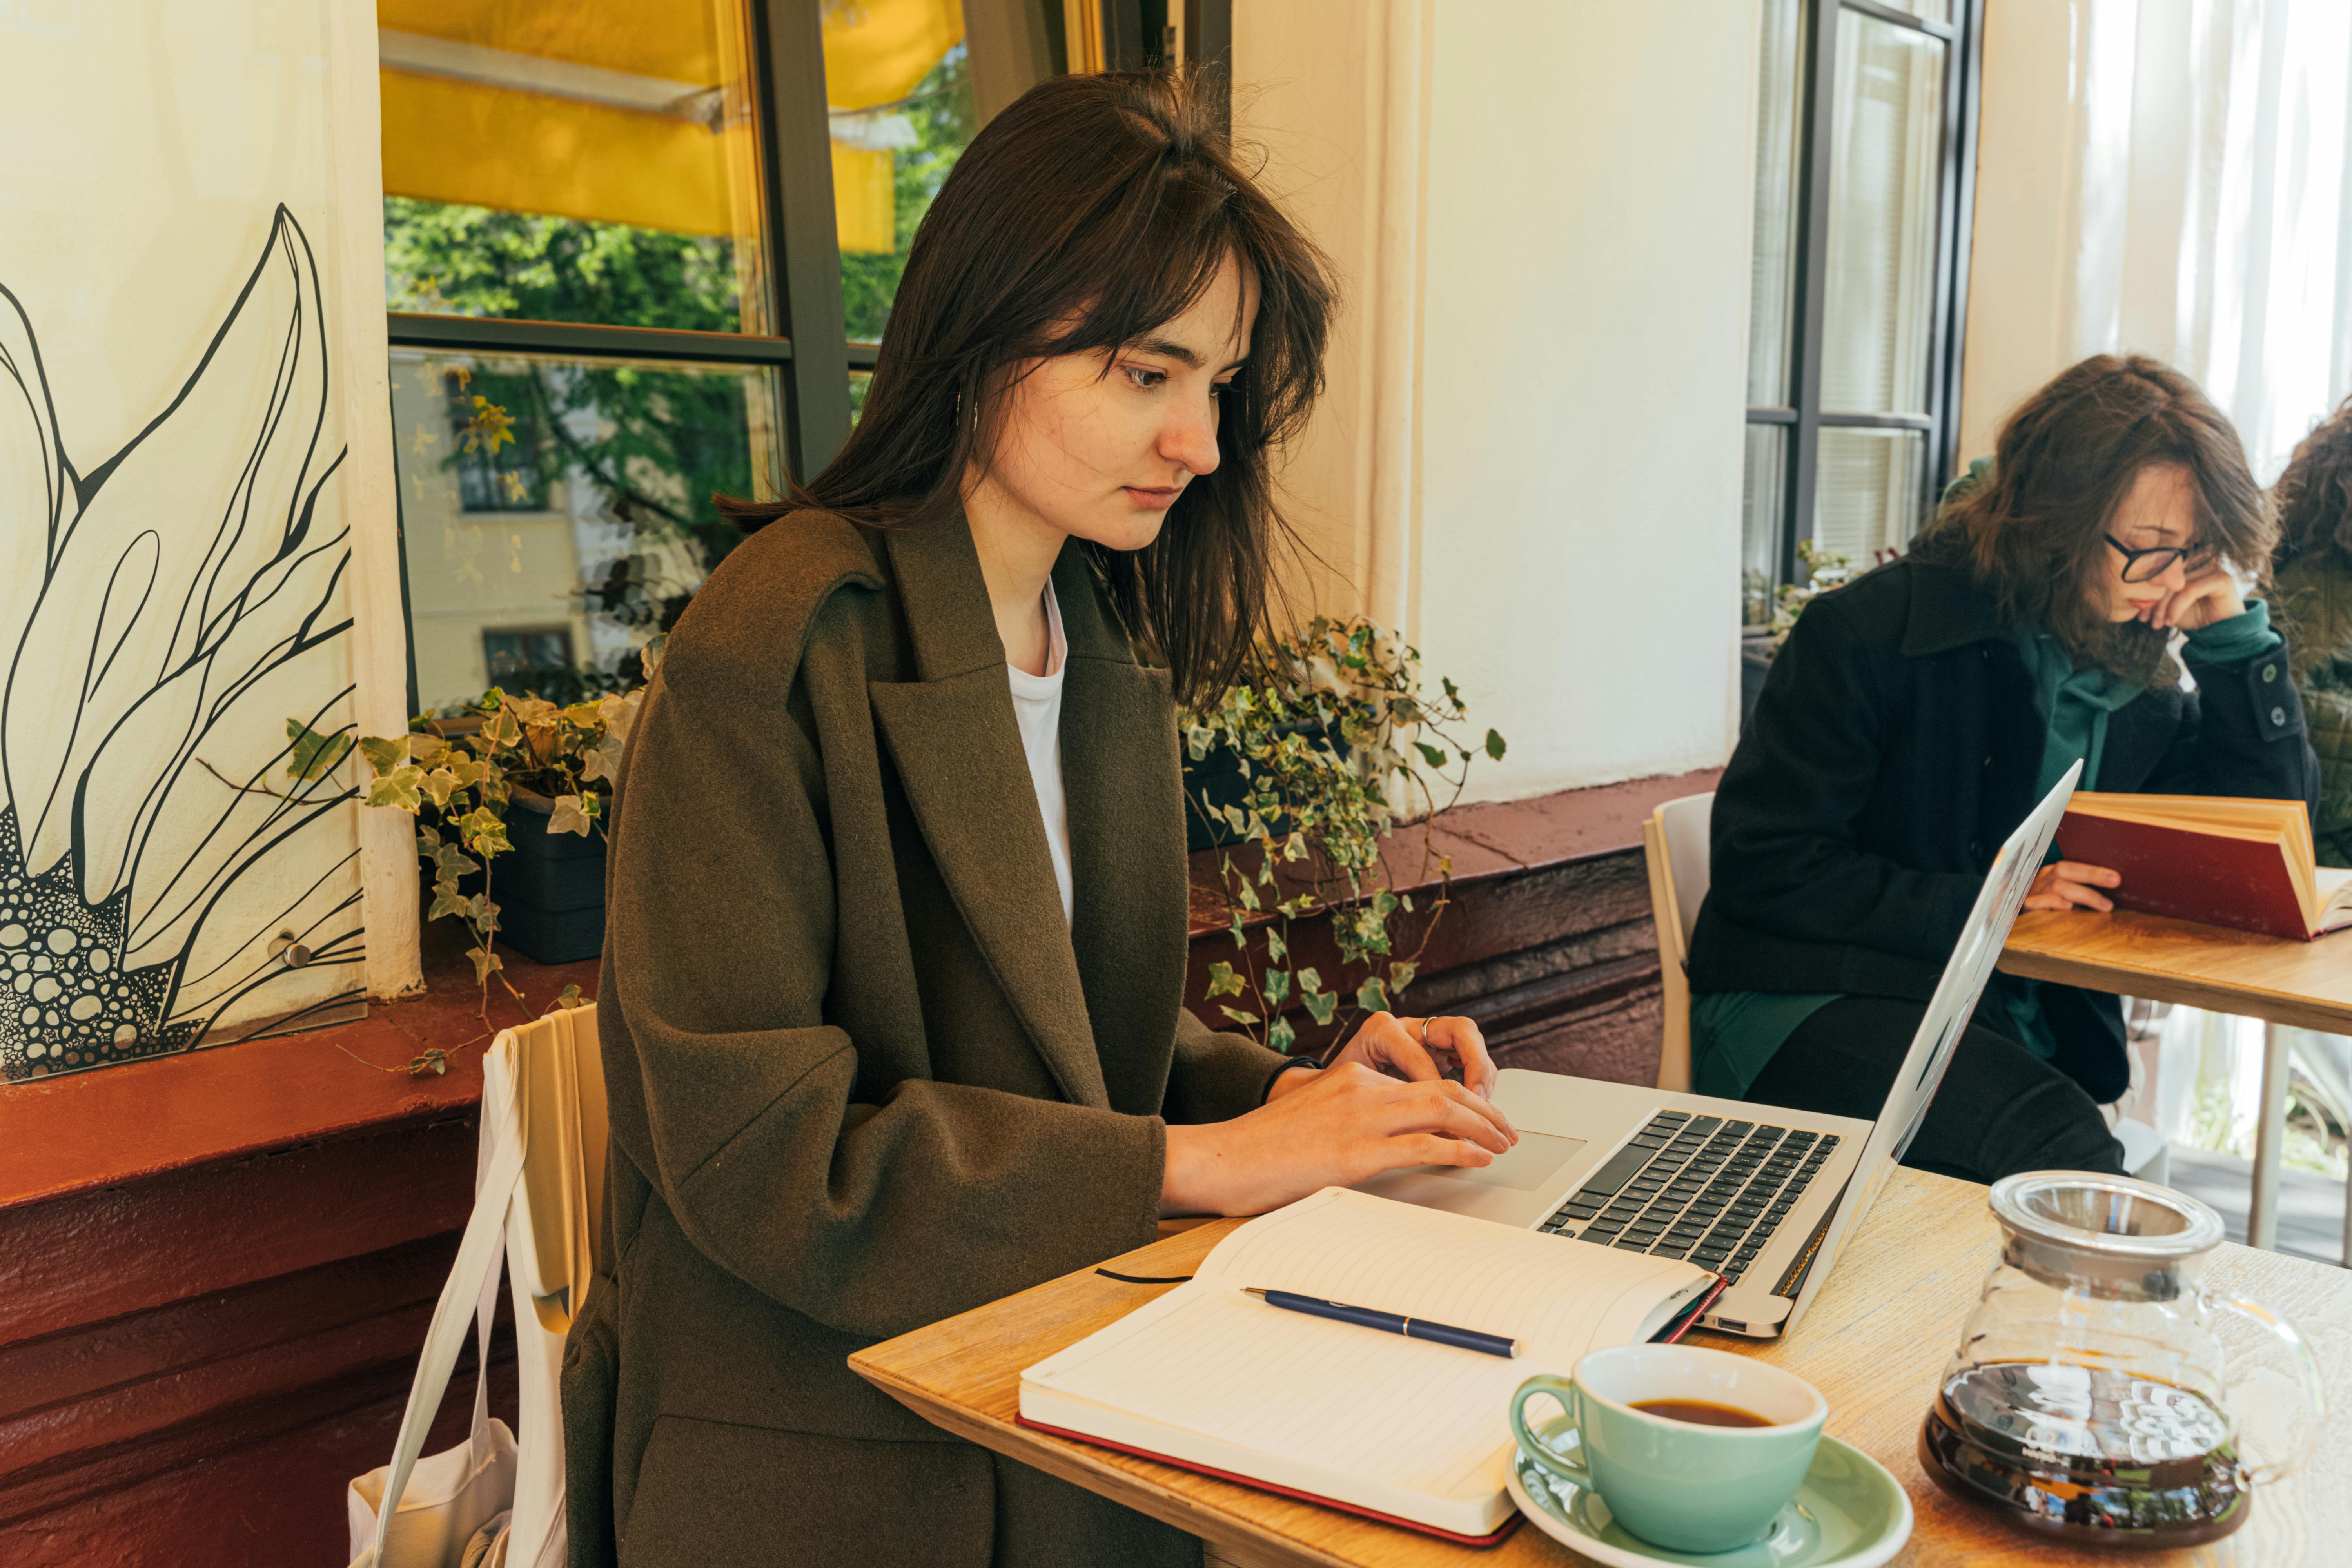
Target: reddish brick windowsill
94, 1130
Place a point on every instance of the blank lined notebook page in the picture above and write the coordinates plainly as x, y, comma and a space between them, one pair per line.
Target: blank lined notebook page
1350, 1412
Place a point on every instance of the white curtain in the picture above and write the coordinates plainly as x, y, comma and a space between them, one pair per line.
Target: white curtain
2214, 225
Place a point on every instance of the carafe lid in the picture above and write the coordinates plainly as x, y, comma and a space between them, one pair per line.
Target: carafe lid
2110, 1236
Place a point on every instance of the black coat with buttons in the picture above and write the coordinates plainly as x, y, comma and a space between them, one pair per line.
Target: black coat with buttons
1894, 745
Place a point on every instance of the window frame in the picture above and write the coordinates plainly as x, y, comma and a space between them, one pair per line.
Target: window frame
1802, 416
811, 355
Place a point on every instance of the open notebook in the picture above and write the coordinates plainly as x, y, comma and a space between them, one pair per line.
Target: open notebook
2248, 864
1412, 1431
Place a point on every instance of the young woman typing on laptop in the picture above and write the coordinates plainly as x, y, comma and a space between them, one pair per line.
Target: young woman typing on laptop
891, 996
1913, 717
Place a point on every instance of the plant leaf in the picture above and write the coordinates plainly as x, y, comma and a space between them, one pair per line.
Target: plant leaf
1430, 754
1239, 1015
484, 961
1277, 988
313, 755
484, 831
383, 755
438, 787
1223, 980
397, 788
1281, 1036
1276, 950
567, 816
1400, 974
1321, 1006
1495, 741
1370, 997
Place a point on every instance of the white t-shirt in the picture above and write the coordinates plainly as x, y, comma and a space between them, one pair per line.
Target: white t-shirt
1037, 704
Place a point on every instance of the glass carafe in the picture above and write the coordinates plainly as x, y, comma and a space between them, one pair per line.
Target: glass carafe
2089, 1396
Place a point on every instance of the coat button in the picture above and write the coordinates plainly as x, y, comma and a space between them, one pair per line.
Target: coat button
2278, 716
2269, 673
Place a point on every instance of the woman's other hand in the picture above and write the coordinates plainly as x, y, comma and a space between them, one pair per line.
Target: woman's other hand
1421, 1048
1334, 1128
2212, 595
2071, 885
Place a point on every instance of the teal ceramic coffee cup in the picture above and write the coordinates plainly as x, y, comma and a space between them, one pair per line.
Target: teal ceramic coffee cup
1680, 1485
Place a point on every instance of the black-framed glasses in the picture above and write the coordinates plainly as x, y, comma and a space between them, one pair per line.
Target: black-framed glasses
2145, 565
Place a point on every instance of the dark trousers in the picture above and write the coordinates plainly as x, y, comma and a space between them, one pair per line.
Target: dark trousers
2000, 1109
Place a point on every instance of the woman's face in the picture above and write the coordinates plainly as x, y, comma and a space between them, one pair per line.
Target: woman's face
1099, 445
2160, 510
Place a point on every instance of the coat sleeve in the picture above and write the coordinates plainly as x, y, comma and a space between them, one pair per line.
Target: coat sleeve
2241, 733
1785, 853
1215, 1077
735, 1092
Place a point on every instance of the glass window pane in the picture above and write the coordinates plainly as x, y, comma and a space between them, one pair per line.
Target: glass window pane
557, 160
1763, 500
1778, 95
1928, 10
556, 512
898, 82
1867, 495
1887, 155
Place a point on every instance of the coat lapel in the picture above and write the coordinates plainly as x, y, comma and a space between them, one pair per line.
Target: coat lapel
956, 747
1123, 781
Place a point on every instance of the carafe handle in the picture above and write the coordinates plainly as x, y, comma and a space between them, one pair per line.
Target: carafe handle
2314, 1398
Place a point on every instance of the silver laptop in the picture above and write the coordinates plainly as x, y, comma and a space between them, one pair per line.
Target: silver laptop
1763, 1196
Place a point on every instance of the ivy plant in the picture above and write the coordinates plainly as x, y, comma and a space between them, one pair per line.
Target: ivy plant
458, 774
1336, 742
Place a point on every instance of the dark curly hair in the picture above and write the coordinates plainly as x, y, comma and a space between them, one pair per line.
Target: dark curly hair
1091, 210
2033, 533
2314, 497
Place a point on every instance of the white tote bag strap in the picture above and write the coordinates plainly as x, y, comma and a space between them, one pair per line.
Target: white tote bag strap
472, 1288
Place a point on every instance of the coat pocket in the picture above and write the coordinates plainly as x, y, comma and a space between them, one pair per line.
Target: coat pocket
589, 1386
714, 1495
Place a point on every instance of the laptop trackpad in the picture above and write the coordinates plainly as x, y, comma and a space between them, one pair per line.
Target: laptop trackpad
1523, 1169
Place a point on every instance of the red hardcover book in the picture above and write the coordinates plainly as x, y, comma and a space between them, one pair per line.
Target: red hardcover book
2245, 864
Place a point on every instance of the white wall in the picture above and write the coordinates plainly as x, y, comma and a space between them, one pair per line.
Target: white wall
1532, 449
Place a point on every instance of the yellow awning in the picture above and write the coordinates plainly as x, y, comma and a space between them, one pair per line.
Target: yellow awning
635, 113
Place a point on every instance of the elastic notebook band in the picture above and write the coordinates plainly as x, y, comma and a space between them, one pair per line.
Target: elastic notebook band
1145, 1278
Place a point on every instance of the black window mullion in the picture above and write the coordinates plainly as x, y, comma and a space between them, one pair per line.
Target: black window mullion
803, 246
589, 340
1961, 100
1819, 106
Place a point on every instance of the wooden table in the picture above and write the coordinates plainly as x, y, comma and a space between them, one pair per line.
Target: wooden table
1875, 1344
2306, 985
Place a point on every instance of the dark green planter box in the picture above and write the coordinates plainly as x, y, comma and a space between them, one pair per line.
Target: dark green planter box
550, 889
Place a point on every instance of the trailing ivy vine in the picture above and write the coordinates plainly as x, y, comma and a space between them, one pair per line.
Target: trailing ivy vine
1336, 742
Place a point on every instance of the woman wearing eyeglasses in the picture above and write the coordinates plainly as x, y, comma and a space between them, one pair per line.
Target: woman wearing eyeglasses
1915, 717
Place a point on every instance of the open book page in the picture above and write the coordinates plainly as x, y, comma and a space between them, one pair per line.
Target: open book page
1374, 1252
1211, 1376
2332, 887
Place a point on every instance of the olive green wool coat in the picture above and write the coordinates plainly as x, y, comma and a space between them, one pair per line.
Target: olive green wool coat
2313, 598
862, 1075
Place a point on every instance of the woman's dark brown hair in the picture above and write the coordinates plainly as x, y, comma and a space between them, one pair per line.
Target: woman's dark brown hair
1090, 211
2035, 533
2314, 497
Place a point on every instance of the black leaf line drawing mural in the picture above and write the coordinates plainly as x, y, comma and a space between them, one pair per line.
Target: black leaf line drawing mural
160, 612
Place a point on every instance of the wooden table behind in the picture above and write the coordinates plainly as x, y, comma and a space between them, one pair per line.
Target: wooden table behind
2305, 984
1875, 1344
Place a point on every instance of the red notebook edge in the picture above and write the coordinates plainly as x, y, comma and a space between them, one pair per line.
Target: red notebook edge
1496, 1538
1672, 1334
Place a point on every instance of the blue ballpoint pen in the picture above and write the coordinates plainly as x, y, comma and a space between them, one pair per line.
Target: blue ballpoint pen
1389, 1322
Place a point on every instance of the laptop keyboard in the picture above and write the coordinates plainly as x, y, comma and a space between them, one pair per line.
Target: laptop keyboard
1696, 1187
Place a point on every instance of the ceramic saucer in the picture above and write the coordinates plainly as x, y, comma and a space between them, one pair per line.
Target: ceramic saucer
1848, 1513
